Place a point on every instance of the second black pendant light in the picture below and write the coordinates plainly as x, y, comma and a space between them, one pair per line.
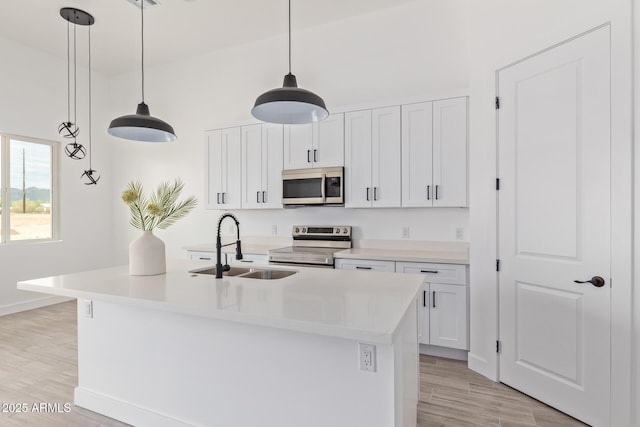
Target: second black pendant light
289, 104
142, 126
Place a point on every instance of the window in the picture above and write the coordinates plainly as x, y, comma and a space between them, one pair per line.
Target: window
28, 176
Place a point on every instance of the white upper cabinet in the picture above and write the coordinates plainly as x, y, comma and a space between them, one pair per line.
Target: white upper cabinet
262, 166
434, 153
372, 158
316, 145
223, 180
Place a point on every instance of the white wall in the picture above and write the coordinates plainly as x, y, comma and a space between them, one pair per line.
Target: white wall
414, 49
33, 94
502, 32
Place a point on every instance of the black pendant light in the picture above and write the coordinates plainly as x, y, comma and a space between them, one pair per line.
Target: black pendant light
141, 126
289, 104
91, 174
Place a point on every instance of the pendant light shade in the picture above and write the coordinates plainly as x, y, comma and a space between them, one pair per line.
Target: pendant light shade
289, 104
142, 126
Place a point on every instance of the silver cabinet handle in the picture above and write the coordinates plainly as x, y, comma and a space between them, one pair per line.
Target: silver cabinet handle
433, 299
375, 193
315, 155
437, 192
264, 197
428, 192
308, 156
367, 194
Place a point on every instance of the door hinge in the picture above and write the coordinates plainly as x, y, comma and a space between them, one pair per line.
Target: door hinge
498, 346
497, 184
497, 265
497, 103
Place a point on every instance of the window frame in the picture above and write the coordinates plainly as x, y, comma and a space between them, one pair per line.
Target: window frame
5, 184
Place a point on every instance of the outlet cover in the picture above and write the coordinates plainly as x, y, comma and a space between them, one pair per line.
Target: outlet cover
274, 230
405, 232
88, 308
459, 233
367, 357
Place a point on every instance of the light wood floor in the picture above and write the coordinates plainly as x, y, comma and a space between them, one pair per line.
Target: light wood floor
38, 364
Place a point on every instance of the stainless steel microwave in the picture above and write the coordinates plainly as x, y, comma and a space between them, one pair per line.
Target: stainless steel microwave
317, 186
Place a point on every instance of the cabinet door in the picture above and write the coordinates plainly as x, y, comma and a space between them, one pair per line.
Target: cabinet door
357, 156
448, 316
248, 260
272, 146
423, 315
298, 146
417, 143
231, 168
213, 181
450, 152
328, 142
252, 166
365, 265
385, 157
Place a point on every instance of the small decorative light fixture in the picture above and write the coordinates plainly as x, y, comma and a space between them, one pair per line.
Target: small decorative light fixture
289, 104
70, 129
141, 126
90, 174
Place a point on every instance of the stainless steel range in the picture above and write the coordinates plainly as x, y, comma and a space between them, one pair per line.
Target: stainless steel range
313, 246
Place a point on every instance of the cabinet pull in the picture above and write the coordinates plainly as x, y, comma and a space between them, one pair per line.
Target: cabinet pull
363, 268
246, 260
424, 298
223, 202
375, 193
264, 197
433, 299
218, 198
257, 197
429, 271
308, 156
428, 192
205, 258
315, 155
367, 194
437, 192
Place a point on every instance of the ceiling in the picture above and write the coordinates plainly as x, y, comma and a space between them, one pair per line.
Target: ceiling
174, 30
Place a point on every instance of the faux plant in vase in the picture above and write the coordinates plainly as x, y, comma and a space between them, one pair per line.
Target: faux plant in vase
160, 210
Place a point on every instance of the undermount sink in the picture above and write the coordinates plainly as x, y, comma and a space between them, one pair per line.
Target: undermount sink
249, 273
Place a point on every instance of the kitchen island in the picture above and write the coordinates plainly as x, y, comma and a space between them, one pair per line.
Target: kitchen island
186, 349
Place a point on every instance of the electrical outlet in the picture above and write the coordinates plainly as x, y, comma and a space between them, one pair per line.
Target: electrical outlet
88, 309
274, 230
459, 233
367, 357
405, 232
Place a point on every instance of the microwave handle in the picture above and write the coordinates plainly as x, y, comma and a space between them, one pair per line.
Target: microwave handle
324, 179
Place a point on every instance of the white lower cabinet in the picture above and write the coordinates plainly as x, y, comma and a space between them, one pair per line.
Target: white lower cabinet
365, 265
443, 309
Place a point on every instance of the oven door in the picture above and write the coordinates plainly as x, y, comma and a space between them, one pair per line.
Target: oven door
303, 187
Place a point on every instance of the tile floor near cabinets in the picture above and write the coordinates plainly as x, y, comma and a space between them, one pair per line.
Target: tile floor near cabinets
38, 371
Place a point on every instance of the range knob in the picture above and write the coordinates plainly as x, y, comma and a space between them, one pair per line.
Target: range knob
345, 231
304, 230
297, 230
336, 231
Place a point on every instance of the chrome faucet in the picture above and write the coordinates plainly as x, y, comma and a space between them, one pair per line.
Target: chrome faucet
219, 267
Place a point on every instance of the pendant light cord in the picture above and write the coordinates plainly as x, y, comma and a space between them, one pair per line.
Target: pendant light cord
142, 38
90, 150
68, 73
289, 36
75, 78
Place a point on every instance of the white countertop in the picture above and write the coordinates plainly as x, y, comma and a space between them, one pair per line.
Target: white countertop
413, 255
357, 305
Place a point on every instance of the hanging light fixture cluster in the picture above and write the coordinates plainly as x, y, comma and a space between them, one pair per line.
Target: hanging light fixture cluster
142, 126
70, 129
289, 104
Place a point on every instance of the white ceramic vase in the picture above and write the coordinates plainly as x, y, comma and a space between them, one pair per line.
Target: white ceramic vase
147, 255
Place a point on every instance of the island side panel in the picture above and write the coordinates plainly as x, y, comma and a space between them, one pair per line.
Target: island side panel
407, 368
152, 367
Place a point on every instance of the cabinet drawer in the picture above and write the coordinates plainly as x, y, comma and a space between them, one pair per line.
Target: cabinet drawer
200, 255
453, 274
365, 264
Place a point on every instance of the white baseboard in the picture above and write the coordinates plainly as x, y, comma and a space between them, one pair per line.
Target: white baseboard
123, 411
449, 353
31, 304
482, 366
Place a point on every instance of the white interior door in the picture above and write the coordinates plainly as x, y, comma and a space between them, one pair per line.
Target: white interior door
554, 226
